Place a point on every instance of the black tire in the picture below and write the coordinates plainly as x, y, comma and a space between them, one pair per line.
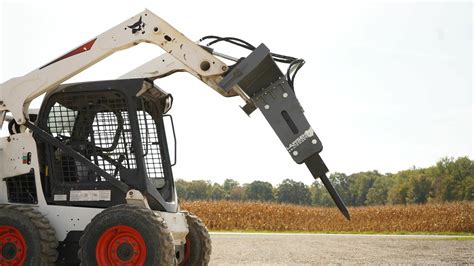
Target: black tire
149, 227
198, 247
24, 226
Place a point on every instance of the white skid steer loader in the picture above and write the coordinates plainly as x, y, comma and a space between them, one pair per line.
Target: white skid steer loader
87, 178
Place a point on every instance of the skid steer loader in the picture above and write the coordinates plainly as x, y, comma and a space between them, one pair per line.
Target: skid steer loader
87, 178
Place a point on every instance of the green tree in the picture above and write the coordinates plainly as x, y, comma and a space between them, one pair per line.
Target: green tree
419, 187
360, 185
450, 178
469, 188
181, 189
320, 196
237, 194
398, 194
259, 191
342, 184
217, 192
378, 193
198, 190
230, 184
290, 191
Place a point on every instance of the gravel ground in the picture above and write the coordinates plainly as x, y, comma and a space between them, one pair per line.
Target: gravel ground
314, 249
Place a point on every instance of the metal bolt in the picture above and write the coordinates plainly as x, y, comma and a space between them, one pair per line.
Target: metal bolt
295, 153
314, 141
285, 95
267, 106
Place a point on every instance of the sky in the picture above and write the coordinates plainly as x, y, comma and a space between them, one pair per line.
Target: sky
386, 86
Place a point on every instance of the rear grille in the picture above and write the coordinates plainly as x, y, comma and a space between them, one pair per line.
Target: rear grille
22, 188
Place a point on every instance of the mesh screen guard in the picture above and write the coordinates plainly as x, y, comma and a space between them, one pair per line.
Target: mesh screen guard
98, 125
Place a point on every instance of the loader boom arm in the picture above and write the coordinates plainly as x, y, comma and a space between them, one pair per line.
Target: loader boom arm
146, 27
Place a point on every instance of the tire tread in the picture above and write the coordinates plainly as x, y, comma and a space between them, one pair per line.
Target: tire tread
49, 242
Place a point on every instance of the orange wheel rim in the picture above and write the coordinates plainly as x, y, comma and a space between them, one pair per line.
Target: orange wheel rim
121, 245
187, 252
12, 246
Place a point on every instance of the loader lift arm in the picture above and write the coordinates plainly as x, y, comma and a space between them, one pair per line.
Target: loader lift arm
146, 27
256, 78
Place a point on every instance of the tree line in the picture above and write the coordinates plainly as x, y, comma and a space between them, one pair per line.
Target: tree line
449, 180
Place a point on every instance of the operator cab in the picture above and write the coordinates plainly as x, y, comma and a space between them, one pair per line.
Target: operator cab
116, 125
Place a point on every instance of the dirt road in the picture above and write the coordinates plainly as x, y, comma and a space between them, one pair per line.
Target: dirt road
312, 249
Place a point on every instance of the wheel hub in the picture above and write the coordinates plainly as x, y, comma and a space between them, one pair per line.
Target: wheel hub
12, 246
9, 251
125, 251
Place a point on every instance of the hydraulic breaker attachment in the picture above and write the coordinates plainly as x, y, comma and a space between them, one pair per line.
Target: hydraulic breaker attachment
268, 89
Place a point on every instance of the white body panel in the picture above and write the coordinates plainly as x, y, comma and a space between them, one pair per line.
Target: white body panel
12, 150
69, 218
62, 218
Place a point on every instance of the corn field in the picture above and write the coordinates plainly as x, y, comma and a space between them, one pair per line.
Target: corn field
229, 215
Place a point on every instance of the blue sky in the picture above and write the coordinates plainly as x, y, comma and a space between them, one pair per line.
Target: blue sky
386, 86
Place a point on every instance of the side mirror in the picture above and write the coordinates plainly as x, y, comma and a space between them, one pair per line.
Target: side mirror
169, 131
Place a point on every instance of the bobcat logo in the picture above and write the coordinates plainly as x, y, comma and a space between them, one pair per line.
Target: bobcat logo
137, 26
